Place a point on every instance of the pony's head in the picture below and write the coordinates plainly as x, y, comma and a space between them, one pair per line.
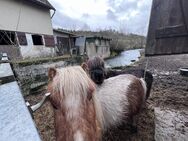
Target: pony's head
72, 93
95, 68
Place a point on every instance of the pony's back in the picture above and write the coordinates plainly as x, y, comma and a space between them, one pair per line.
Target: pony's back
121, 97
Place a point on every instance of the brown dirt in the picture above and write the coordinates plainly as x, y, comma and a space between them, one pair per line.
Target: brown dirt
169, 90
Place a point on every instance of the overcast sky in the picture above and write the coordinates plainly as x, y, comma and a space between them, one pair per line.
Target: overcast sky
129, 16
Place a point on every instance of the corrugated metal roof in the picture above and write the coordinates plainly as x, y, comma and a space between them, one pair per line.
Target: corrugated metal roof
65, 32
44, 3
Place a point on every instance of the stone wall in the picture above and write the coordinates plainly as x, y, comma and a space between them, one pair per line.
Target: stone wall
32, 76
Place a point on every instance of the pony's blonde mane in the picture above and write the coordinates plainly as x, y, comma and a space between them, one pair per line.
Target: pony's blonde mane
73, 81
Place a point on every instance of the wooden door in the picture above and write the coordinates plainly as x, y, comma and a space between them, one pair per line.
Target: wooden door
168, 28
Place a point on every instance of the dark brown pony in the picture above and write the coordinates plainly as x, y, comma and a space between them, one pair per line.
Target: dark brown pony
121, 95
96, 69
121, 98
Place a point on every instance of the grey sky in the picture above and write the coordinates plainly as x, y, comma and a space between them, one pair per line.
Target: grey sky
129, 16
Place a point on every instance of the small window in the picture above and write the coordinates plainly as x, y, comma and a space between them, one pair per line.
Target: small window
49, 41
7, 38
22, 38
37, 40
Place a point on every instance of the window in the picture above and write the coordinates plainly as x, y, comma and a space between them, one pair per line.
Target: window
49, 41
37, 40
22, 38
7, 38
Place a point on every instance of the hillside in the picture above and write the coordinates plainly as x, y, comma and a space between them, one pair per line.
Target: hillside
119, 41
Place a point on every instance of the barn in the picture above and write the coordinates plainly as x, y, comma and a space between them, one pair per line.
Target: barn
93, 46
26, 29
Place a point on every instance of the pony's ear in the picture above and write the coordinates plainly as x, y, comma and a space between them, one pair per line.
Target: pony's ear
51, 73
85, 67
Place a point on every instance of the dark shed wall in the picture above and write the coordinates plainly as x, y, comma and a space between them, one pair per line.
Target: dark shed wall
168, 28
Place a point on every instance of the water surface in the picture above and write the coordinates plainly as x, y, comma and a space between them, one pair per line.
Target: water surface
124, 59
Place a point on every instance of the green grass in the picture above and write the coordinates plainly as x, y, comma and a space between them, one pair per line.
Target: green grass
27, 62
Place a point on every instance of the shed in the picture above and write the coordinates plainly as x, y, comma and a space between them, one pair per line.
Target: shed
168, 28
64, 41
94, 46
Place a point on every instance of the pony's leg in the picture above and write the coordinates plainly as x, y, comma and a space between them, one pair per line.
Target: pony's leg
128, 125
132, 124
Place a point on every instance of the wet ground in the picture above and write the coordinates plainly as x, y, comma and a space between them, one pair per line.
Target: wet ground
169, 90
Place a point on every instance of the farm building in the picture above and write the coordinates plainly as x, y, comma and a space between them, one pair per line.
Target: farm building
93, 46
64, 42
26, 29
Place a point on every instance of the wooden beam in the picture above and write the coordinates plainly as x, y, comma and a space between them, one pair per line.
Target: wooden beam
171, 31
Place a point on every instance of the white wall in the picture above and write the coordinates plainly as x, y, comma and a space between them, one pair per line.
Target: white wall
31, 51
33, 18
91, 49
80, 42
102, 51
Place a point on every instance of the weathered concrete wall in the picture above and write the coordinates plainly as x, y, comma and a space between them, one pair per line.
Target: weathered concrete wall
32, 76
101, 50
31, 51
16, 123
6, 74
94, 47
90, 49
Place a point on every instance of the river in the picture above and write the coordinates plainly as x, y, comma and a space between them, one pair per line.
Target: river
124, 59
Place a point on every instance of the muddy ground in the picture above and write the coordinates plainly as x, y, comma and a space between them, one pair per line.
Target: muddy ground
169, 90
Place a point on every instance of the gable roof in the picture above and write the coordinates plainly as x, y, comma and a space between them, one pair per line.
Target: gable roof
44, 3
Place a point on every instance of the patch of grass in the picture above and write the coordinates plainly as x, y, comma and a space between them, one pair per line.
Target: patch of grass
27, 62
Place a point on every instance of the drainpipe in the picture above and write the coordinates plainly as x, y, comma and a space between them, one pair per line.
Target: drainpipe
53, 13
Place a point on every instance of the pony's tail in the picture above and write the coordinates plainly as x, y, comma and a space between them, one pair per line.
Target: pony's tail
143, 83
149, 80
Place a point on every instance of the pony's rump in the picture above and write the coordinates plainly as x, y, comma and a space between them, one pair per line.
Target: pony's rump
121, 97
140, 73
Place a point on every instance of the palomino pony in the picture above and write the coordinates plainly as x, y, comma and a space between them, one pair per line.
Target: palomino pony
77, 111
82, 112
